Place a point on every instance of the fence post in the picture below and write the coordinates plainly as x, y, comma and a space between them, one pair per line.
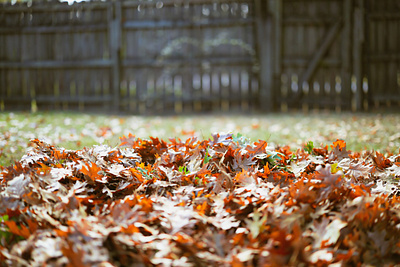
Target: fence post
346, 93
264, 41
114, 29
358, 39
277, 52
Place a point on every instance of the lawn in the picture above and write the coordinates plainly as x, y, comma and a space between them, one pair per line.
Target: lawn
75, 130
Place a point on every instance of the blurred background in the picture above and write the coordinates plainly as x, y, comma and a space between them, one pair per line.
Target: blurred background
199, 56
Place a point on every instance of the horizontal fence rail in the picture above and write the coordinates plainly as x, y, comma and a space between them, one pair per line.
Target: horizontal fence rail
160, 57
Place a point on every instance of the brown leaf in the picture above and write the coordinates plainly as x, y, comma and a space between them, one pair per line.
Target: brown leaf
74, 255
380, 161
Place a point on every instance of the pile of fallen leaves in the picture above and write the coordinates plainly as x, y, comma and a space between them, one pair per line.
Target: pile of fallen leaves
218, 202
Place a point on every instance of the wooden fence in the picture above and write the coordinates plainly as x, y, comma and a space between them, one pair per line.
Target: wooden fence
170, 56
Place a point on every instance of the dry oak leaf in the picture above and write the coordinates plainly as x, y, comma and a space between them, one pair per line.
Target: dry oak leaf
380, 161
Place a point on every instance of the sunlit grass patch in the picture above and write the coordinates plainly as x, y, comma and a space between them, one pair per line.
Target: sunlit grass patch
76, 130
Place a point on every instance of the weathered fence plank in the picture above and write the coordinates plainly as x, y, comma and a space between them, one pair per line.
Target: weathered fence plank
358, 39
114, 31
264, 34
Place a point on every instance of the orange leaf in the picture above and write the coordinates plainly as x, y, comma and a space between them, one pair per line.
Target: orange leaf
202, 208
61, 233
339, 144
92, 171
236, 262
130, 229
244, 178
259, 147
129, 141
266, 172
24, 232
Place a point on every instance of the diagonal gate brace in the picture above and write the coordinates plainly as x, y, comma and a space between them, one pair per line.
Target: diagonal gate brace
322, 50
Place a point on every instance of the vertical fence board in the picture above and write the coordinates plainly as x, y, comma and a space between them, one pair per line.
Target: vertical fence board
264, 34
382, 55
346, 71
358, 38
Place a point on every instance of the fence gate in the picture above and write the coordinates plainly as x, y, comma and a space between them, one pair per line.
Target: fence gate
185, 56
313, 69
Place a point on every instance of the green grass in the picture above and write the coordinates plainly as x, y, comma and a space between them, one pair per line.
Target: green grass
74, 130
